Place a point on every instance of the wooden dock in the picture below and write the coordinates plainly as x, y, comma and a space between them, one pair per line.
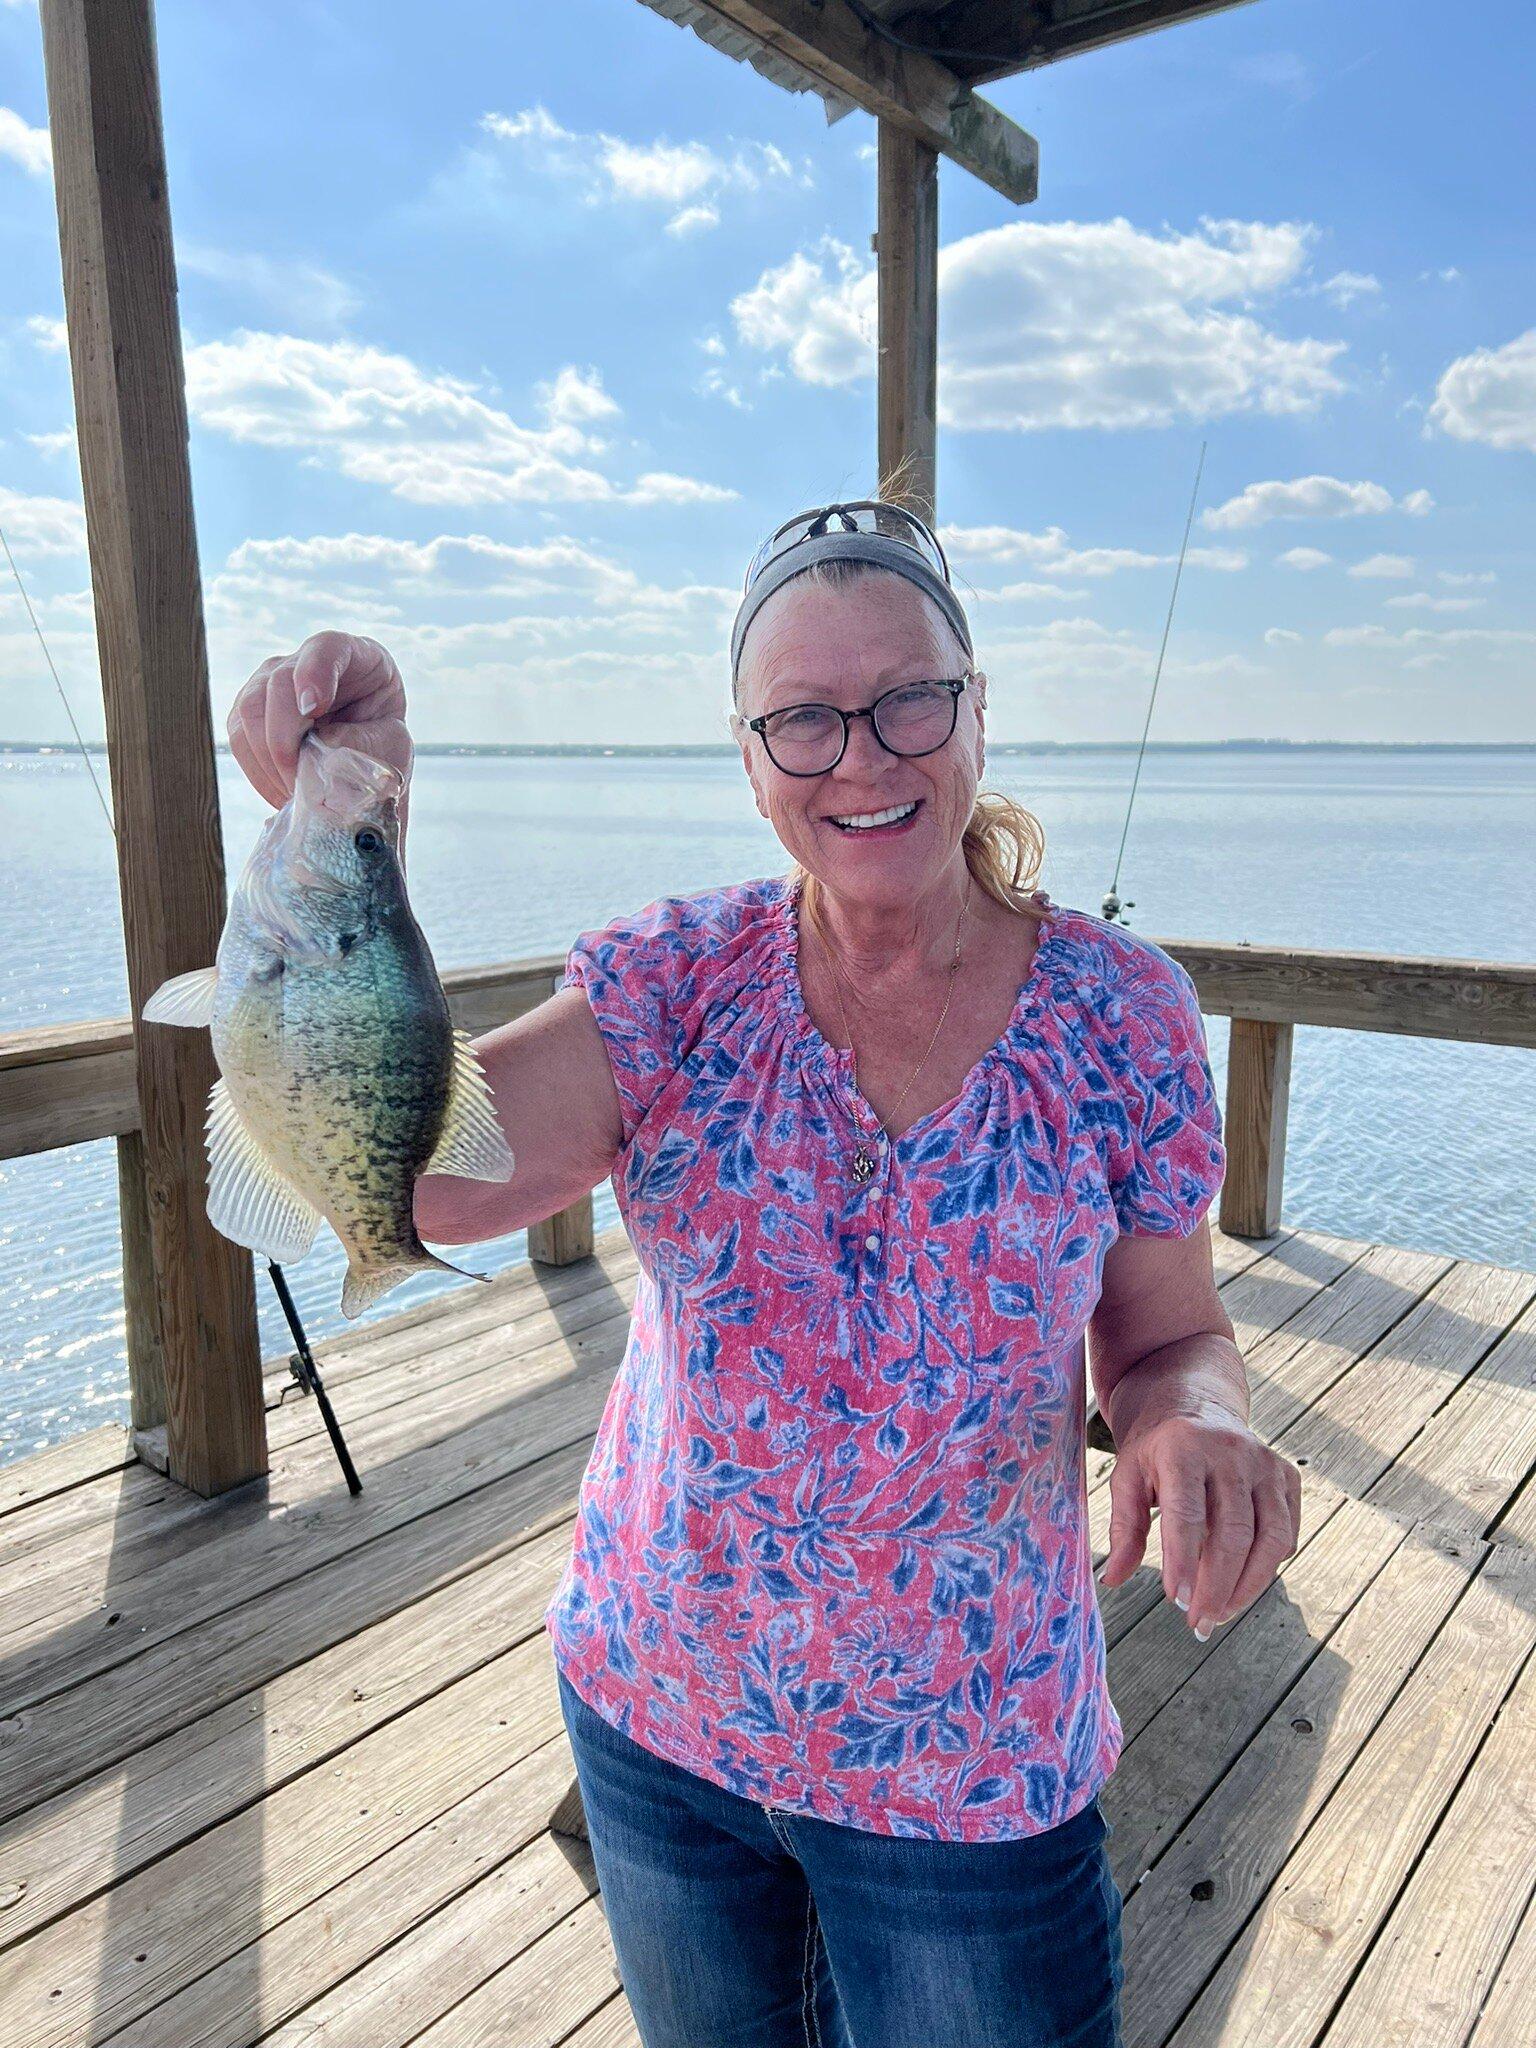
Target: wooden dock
278, 1766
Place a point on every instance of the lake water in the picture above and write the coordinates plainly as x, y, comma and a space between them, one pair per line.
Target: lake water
1408, 1141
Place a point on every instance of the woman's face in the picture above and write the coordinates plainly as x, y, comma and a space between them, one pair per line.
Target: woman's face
844, 646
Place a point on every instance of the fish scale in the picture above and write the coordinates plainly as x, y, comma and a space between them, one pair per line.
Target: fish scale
342, 1079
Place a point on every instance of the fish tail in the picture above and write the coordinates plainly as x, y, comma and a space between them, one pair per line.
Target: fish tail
367, 1283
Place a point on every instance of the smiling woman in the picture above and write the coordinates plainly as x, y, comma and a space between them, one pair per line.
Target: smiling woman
902, 1146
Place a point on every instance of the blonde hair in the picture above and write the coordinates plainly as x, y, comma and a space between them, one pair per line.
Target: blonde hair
1003, 844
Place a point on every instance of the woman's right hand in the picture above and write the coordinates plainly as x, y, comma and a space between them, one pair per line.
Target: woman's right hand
343, 684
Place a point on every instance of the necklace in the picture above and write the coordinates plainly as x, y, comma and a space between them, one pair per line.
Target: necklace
862, 1164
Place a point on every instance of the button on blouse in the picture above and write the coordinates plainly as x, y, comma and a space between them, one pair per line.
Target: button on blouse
831, 1548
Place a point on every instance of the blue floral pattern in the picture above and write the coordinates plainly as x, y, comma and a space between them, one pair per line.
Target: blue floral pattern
832, 1544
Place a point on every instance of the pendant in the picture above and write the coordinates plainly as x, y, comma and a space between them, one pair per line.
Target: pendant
862, 1167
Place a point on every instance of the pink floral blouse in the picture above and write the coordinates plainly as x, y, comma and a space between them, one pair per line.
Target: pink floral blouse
832, 1544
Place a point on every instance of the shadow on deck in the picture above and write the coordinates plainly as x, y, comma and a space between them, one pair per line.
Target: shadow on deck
279, 1767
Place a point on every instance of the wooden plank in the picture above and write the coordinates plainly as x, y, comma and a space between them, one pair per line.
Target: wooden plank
159, 1930
1258, 1095
1300, 1950
540, 1995
1477, 1001
828, 40
96, 1454
178, 1680
1183, 1915
100, 1831
611, 2027
1471, 1460
114, 1607
55, 1650
66, 1084
907, 262
1189, 1709
1506, 2018
441, 1960
130, 408
1424, 1982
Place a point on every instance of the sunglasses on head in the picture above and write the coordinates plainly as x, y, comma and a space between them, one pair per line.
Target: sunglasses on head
864, 515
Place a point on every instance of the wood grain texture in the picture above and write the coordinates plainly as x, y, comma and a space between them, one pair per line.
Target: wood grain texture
130, 409
1258, 1096
907, 253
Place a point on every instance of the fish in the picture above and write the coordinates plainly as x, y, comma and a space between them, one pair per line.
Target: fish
341, 1076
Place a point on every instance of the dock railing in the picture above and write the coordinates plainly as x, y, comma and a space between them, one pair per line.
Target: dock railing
69, 1084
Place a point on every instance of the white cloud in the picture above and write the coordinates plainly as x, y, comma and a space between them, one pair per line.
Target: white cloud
52, 444
1345, 286
307, 292
48, 333
1311, 497
1460, 578
1304, 558
380, 419
1052, 554
1069, 324
689, 178
1422, 601
41, 526
1496, 639
1490, 395
24, 145
1279, 636
1384, 565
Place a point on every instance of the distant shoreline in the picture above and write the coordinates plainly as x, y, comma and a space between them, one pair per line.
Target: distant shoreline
723, 750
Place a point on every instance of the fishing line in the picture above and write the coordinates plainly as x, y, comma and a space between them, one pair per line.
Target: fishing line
1112, 903
79, 741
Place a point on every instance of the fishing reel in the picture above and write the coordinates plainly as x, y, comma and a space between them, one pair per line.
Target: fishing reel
1113, 907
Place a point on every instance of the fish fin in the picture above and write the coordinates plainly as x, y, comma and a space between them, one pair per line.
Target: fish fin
365, 1284
184, 999
249, 1200
472, 1144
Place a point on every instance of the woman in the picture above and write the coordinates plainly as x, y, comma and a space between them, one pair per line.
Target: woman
894, 1137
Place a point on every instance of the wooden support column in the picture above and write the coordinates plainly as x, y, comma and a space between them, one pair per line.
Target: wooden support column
1258, 1095
907, 249
130, 407
565, 1237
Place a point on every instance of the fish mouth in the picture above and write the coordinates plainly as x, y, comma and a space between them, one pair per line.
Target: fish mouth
345, 786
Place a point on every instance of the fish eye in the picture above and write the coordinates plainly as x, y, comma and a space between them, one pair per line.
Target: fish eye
367, 840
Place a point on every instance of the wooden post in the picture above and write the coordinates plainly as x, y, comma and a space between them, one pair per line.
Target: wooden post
565, 1237
130, 408
1258, 1094
907, 249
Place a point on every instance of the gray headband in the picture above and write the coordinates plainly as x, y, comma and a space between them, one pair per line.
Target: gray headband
877, 548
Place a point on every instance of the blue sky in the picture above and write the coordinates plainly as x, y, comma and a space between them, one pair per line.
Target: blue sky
507, 344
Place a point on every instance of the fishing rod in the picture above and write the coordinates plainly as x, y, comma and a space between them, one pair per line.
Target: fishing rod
1112, 903
301, 1362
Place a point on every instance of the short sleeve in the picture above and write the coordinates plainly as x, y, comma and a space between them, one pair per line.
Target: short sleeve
1166, 1157
635, 973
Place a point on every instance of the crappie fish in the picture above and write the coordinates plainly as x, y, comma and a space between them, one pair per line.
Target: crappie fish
342, 1079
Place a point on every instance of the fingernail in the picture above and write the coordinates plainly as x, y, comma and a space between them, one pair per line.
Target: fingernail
1203, 1631
309, 701
1181, 1599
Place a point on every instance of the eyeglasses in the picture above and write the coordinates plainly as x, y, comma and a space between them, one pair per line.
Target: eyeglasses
910, 720
864, 515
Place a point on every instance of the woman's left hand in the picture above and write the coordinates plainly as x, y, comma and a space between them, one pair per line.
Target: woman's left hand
1229, 1506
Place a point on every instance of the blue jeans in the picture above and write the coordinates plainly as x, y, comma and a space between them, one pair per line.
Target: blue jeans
746, 1926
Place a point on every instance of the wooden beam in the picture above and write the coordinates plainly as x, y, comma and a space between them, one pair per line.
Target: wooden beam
565, 1237
130, 408
983, 40
1258, 1094
907, 255
826, 38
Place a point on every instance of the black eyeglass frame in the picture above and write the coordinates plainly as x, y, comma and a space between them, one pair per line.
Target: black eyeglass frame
820, 516
954, 685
